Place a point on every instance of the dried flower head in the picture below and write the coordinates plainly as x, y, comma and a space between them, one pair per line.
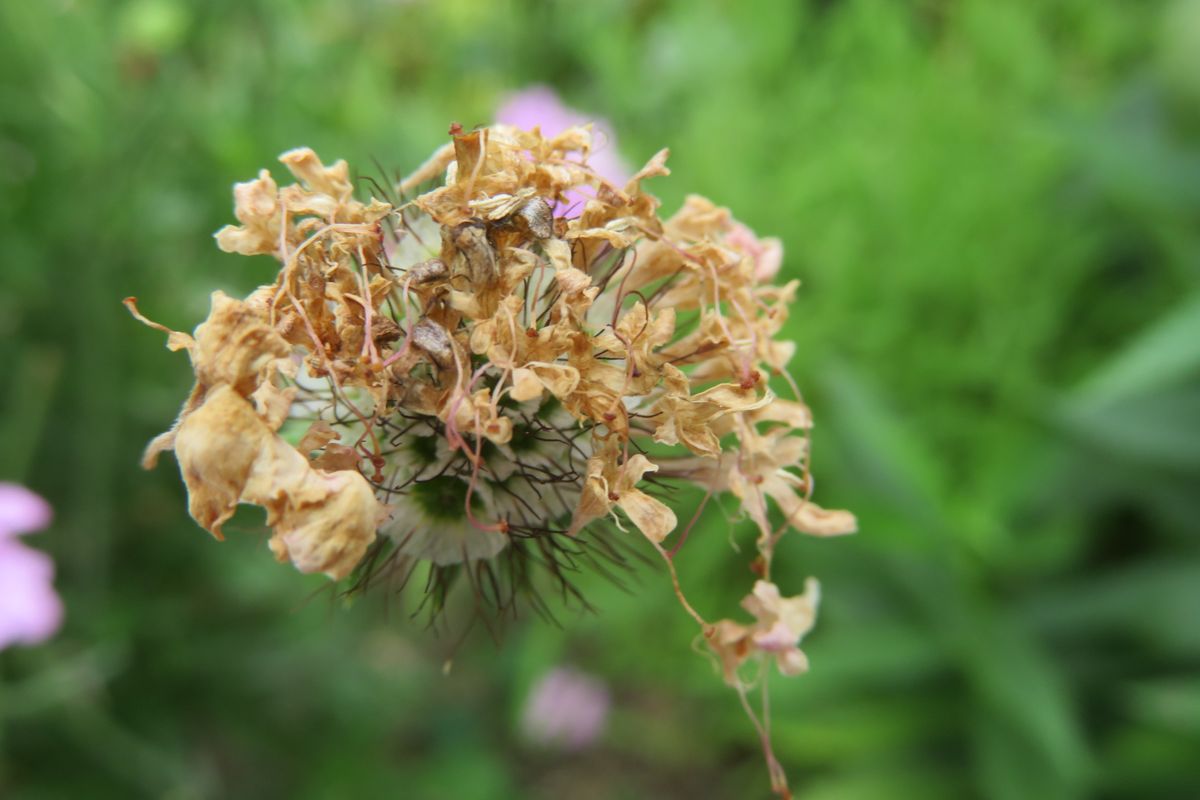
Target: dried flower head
490, 376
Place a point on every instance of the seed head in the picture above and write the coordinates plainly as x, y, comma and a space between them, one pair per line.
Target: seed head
496, 375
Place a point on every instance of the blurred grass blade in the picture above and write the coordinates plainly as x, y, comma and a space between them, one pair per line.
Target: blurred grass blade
1165, 354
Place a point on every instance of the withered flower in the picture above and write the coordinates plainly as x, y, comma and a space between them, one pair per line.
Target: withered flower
512, 368
780, 623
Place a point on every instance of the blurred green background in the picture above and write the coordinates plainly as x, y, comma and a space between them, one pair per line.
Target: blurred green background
995, 210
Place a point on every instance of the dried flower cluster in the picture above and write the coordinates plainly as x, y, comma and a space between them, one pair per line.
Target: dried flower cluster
499, 373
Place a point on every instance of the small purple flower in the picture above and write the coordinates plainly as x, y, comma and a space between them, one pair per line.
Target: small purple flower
30, 610
566, 709
540, 106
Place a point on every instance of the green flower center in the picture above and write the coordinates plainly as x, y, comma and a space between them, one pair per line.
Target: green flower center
443, 498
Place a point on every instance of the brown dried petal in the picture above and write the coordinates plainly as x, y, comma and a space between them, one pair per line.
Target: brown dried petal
319, 434
477, 415
273, 403
333, 181
530, 380
176, 340
227, 455
805, 515
689, 419
331, 535
607, 485
526, 385
216, 447
236, 345
656, 166
652, 517
256, 205
337, 457
433, 167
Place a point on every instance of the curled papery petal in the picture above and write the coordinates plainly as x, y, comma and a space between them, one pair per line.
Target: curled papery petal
608, 485
779, 625
333, 181
530, 381
652, 517
331, 534
256, 205
689, 419
218, 446
808, 517
323, 521
236, 345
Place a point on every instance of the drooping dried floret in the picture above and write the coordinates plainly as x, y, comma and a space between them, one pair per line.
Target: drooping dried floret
501, 371
780, 623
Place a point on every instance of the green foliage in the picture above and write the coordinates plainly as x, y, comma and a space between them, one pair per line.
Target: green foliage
993, 207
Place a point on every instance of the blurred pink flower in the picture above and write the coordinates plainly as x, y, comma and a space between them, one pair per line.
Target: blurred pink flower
30, 610
540, 106
567, 709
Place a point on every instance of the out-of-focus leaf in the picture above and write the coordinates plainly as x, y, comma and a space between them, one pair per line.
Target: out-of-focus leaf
1158, 428
1171, 704
862, 728
1163, 355
1154, 602
1029, 742
888, 458
884, 782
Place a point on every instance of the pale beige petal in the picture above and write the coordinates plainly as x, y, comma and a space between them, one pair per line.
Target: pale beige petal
594, 501
652, 517
656, 166
792, 662
228, 454
805, 515
731, 642
217, 446
236, 345
526, 385
256, 205
560, 379
273, 403
333, 180
330, 535
434, 167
